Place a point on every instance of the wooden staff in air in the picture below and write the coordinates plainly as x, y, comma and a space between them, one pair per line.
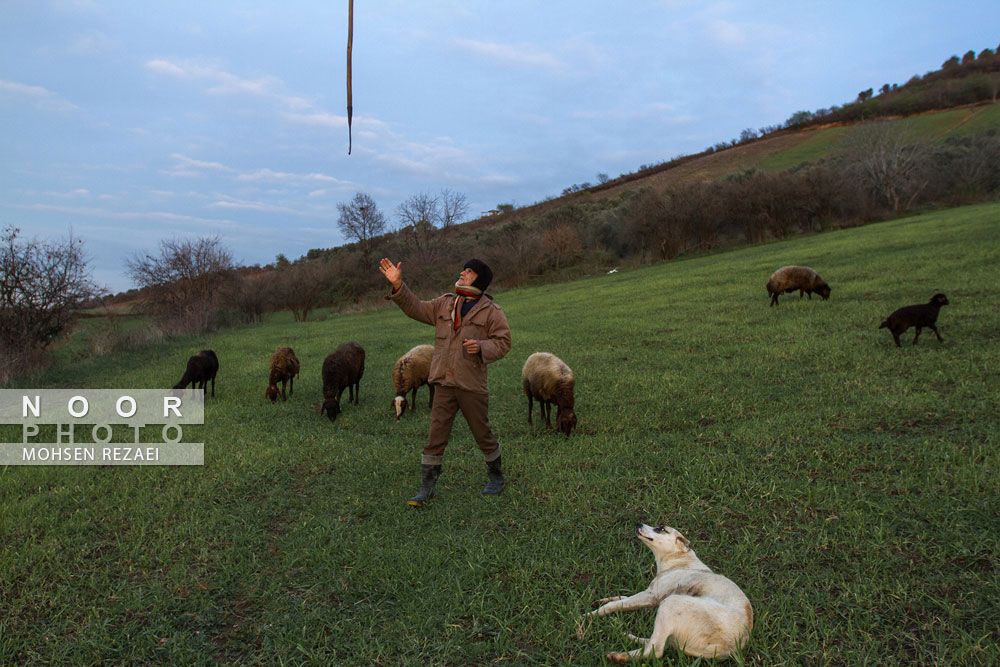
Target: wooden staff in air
350, 40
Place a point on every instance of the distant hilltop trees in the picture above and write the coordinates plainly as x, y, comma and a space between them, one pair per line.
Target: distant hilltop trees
968, 80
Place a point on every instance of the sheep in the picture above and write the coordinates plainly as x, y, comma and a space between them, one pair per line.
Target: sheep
201, 368
547, 378
284, 368
410, 373
342, 369
801, 278
919, 316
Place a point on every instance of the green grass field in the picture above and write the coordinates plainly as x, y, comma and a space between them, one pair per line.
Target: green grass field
929, 127
852, 489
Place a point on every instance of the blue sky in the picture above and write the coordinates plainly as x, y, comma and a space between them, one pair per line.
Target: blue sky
126, 121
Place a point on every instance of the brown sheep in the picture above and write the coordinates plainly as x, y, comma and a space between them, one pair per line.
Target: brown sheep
547, 378
201, 368
284, 368
919, 316
801, 278
410, 373
342, 369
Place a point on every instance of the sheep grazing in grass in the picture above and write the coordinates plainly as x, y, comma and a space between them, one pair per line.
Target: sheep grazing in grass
284, 368
547, 378
919, 316
801, 278
410, 373
342, 369
201, 368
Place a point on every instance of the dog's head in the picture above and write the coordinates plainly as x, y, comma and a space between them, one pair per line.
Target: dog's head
662, 540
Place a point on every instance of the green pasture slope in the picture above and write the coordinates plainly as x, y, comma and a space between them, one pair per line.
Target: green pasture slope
851, 488
929, 127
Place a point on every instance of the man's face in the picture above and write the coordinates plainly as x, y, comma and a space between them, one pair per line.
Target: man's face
467, 277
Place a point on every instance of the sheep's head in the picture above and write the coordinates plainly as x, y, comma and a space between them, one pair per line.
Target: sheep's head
399, 403
330, 406
939, 299
271, 393
824, 291
565, 420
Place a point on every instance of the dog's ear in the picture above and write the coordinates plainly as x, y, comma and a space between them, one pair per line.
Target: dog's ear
684, 542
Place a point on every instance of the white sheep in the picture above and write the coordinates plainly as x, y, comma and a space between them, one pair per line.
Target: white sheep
410, 373
547, 378
801, 278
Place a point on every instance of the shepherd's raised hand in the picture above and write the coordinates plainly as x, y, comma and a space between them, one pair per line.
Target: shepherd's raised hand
393, 273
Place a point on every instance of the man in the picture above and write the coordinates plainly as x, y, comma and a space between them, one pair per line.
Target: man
470, 332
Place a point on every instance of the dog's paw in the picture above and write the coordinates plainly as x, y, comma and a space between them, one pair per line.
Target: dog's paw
603, 601
618, 658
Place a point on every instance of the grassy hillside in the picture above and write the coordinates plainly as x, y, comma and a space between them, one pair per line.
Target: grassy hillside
849, 487
792, 148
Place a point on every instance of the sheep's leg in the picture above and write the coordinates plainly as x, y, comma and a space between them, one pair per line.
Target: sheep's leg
547, 410
934, 329
291, 385
530, 404
917, 335
413, 400
357, 393
284, 396
213, 386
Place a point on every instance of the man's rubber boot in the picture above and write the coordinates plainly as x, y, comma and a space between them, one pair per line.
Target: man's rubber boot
428, 478
495, 485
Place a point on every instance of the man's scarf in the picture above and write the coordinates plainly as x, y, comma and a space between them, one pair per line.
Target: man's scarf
466, 294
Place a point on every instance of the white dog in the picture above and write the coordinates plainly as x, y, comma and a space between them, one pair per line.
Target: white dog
702, 613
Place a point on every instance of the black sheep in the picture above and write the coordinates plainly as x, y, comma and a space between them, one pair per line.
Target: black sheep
342, 369
919, 316
201, 368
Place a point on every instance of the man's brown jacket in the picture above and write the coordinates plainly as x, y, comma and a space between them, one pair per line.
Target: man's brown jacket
451, 365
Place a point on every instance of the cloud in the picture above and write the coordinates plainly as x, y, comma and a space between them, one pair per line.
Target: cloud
228, 202
221, 82
266, 174
91, 43
38, 97
187, 167
522, 55
726, 33
162, 216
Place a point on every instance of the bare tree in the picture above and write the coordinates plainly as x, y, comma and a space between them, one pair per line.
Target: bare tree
416, 223
40, 285
518, 250
652, 224
182, 280
454, 207
362, 221
889, 162
562, 243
